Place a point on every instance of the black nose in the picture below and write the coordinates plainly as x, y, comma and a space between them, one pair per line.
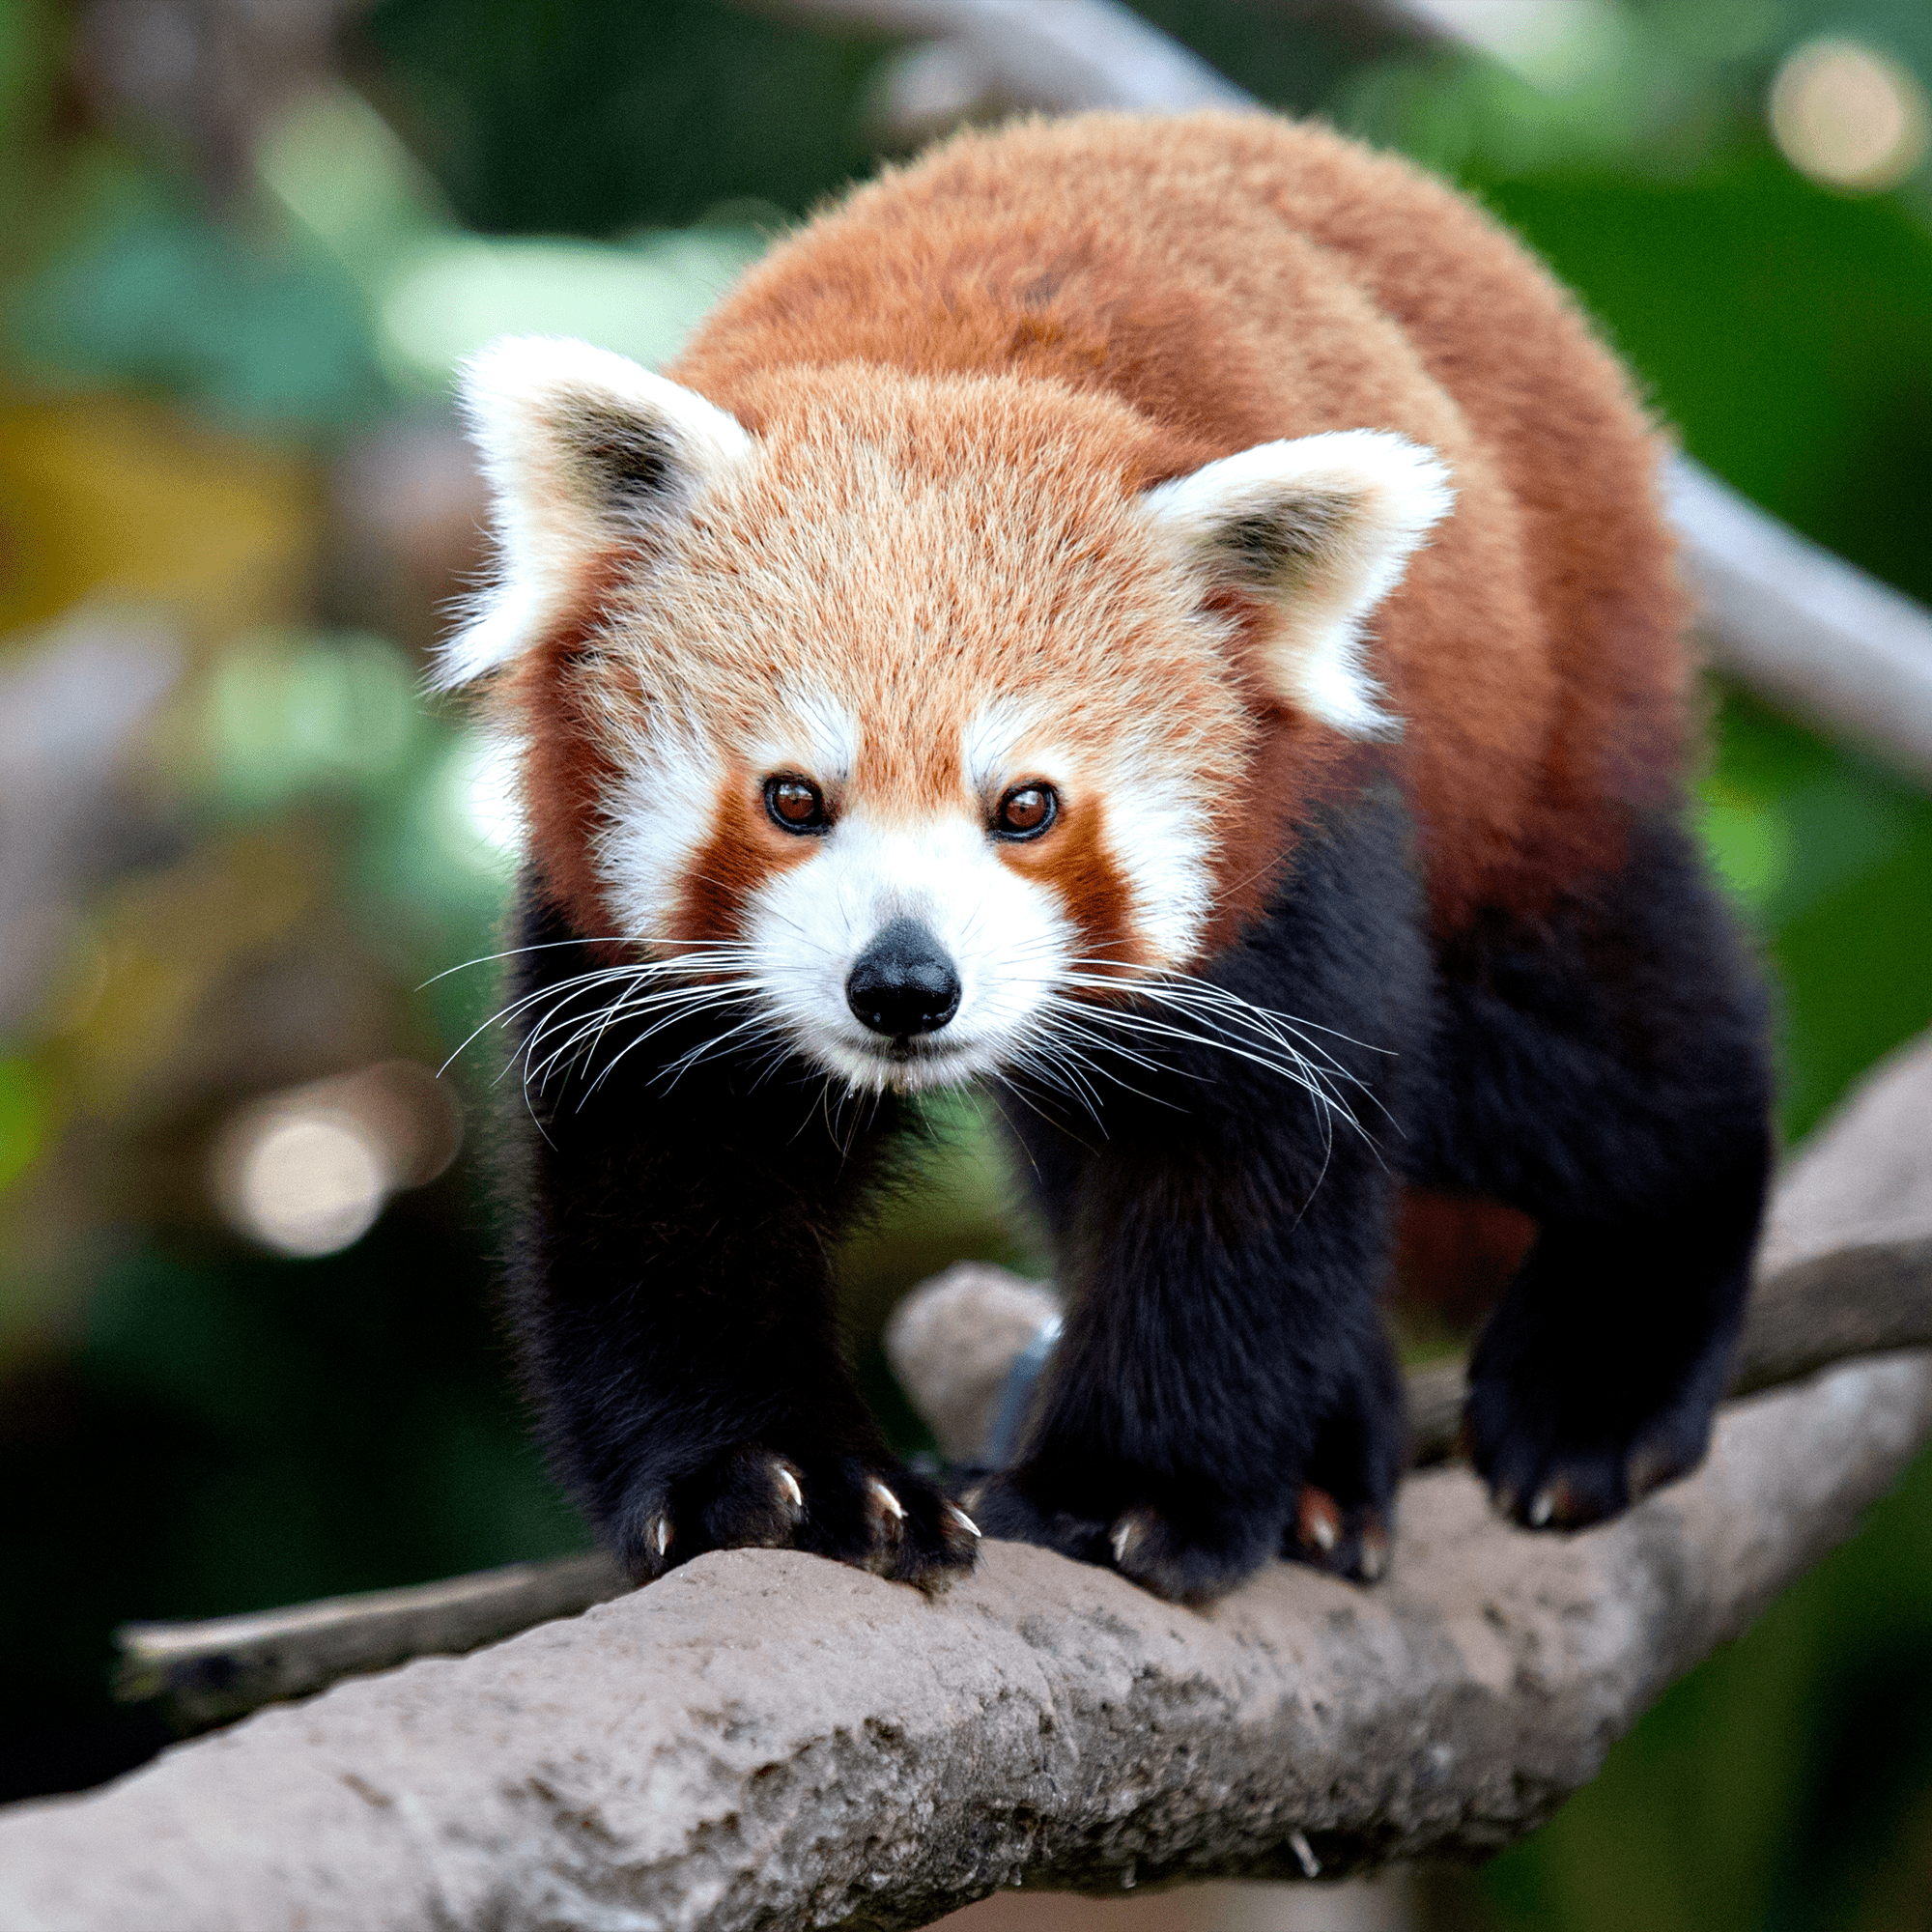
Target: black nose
904, 983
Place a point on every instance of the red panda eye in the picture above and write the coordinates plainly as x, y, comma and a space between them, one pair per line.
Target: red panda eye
1026, 811
796, 804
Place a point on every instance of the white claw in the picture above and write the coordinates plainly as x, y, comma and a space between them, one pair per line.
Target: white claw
1323, 1529
960, 1515
790, 1483
1123, 1534
660, 1534
890, 1501
1541, 1509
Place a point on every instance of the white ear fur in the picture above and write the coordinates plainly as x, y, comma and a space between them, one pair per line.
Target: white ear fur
1323, 526
582, 450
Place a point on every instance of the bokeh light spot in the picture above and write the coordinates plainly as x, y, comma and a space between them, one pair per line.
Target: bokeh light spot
1848, 116
309, 1183
306, 1171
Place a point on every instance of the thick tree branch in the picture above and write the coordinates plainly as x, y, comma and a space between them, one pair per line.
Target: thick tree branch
767, 1738
764, 1738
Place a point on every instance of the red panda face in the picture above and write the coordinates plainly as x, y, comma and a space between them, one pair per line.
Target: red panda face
910, 713
885, 682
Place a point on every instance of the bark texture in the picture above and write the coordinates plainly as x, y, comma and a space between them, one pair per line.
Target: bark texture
764, 1739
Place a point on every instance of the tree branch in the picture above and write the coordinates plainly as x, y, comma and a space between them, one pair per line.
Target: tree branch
1803, 627
765, 1737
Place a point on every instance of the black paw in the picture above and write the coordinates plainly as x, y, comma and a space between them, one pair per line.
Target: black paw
1185, 1544
879, 1516
1552, 1464
1346, 1507
1351, 1542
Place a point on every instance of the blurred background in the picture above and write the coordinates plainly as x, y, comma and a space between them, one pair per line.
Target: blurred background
247, 1354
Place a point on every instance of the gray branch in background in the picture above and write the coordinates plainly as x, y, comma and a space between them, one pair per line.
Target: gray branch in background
970, 55
765, 1737
1803, 627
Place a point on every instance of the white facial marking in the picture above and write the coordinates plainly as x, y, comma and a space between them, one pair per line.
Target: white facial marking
658, 819
816, 736
992, 744
1162, 842
1158, 836
1006, 935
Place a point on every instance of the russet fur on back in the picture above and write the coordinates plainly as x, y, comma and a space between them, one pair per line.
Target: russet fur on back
1169, 621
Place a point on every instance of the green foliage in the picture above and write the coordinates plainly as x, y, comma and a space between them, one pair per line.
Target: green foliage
23, 1125
155, 297
1780, 328
590, 117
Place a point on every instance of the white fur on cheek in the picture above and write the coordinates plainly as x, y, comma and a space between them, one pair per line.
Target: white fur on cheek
1157, 835
1162, 842
656, 821
1007, 936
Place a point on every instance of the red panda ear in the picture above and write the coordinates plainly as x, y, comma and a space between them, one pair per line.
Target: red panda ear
1322, 527
585, 451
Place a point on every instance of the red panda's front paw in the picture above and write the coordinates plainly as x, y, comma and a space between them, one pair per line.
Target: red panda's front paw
882, 1518
1346, 1542
1188, 1547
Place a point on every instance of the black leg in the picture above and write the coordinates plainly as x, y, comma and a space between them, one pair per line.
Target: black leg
671, 1286
1225, 1243
1606, 1073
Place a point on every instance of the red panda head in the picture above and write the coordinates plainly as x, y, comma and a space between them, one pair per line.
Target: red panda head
901, 702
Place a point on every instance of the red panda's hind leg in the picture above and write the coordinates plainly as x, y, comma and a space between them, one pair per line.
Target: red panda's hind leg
1606, 1071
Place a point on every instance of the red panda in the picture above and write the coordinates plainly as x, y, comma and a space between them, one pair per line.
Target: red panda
1169, 621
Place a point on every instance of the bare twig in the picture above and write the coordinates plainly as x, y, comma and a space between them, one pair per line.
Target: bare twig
210, 1672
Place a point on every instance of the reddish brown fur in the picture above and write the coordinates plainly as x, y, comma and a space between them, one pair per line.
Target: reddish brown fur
1075, 862
1455, 1254
745, 849
1236, 278
569, 764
